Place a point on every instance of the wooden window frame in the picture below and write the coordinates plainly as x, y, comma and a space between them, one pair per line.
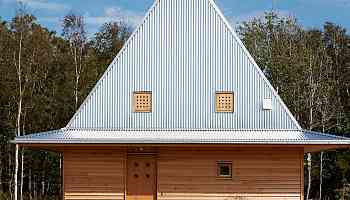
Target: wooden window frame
135, 93
217, 103
220, 164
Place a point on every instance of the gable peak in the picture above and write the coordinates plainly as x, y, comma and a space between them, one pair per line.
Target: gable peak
183, 59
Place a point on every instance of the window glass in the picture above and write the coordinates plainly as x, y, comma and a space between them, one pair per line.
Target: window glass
224, 169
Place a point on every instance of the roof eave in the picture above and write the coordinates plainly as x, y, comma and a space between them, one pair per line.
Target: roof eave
169, 142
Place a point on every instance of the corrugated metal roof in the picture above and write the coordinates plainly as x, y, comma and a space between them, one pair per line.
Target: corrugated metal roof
67, 136
183, 51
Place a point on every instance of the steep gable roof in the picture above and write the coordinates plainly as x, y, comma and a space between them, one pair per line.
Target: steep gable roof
183, 51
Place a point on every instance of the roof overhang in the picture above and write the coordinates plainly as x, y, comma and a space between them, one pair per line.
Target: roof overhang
311, 141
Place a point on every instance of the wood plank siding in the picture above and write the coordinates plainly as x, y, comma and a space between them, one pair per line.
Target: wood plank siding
190, 174
263, 173
93, 174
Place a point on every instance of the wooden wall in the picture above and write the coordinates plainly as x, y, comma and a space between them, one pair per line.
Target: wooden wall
263, 173
95, 174
190, 174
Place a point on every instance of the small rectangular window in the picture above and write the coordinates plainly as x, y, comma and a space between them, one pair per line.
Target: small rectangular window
267, 104
142, 101
224, 169
224, 102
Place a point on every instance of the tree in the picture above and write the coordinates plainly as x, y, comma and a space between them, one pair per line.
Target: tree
5, 134
102, 49
310, 71
74, 32
20, 25
109, 41
309, 68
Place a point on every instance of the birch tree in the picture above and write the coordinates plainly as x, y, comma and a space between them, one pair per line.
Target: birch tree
302, 65
315, 75
21, 24
74, 32
296, 60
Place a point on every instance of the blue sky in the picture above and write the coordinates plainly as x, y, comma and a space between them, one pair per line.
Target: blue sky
310, 13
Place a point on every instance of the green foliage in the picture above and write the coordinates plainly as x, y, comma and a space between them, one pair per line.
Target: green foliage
310, 70
48, 91
109, 40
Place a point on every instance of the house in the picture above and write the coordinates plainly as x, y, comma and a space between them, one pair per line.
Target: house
183, 112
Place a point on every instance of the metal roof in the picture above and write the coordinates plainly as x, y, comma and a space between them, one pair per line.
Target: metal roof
183, 51
68, 136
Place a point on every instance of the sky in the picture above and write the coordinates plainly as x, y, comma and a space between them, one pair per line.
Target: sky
49, 13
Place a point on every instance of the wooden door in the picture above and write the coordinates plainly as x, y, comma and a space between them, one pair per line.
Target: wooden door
141, 177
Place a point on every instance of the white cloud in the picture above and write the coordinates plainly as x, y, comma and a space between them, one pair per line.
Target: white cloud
130, 17
44, 5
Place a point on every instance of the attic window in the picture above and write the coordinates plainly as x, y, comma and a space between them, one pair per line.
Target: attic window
224, 169
142, 101
224, 102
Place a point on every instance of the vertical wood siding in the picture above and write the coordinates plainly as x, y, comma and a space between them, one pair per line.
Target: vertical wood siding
257, 174
93, 174
183, 51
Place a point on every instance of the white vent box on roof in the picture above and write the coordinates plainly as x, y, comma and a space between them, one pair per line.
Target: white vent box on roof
267, 104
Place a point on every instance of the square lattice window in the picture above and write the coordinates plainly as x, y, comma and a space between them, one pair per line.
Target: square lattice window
142, 102
224, 102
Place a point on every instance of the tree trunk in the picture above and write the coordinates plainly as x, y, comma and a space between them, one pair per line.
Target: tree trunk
76, 78
321, 161
311, 105
19, 73
47, 189
30, 183
43, 184
61, 177
22, 171
10, 171
321, 174
16, 172
309, 175
43, 173
22, 158
35, 194
1, 165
